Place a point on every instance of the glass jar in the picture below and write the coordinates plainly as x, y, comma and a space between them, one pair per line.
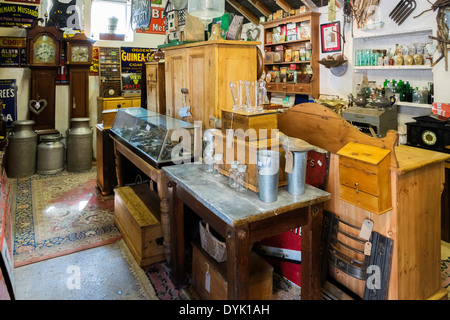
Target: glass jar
218, 157
232, 174
208, 162
242, 178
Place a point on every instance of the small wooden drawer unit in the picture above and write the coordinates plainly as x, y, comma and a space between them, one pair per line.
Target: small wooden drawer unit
137, 215
365, 177
243, 120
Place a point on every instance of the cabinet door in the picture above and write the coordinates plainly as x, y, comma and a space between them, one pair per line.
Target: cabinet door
79, 90
234, 63
152, 97
201, 86
43, 87
176, 79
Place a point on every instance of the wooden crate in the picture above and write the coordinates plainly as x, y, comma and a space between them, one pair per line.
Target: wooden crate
243, 120
246, 153
364, 175
260, 276
137, 215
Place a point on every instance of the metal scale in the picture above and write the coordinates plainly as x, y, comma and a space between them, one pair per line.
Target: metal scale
371, 118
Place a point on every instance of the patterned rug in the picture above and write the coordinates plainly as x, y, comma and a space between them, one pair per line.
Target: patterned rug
60, 214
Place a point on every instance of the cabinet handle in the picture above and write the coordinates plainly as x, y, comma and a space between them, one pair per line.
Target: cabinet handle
74, 104
184, 91
356, 184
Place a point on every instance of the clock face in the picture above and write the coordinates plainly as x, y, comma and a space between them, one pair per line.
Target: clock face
44, 50
429, 138
79, 53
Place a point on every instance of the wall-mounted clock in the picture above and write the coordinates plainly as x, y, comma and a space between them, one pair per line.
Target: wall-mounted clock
79, 60
44, 45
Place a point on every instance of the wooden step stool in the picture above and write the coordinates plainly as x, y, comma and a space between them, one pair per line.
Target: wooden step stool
138, 217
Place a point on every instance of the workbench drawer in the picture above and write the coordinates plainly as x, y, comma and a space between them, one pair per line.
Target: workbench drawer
358, 178
364, 200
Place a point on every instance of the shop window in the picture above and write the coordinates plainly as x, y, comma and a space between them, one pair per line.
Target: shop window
110, 20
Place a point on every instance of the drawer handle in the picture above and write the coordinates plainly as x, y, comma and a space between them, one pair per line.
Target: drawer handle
356, 184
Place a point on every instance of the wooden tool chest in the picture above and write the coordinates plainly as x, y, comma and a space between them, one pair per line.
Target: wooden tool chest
137, 215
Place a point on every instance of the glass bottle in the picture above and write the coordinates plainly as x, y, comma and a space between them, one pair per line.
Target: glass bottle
424, 97
208, 161
430, 93
415, 97
217, 162
242, 178
232, 174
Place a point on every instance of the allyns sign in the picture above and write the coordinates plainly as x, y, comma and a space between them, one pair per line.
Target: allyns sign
140, 14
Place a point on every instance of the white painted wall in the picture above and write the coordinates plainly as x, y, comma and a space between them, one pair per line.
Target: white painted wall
380, 38
330, 84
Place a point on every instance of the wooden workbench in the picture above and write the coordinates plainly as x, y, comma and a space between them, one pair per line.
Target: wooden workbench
414, 223
243, 219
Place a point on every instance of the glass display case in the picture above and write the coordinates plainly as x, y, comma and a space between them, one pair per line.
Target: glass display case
158, 139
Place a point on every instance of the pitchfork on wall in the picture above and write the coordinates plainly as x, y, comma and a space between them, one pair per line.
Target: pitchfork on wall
402, 11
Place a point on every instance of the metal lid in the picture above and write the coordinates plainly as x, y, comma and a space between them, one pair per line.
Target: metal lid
23, 122
51, 138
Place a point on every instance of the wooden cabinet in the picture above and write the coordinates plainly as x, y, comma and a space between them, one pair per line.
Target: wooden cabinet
156, 94
112, 104
106, 171
198, 74
300, 51
364, 177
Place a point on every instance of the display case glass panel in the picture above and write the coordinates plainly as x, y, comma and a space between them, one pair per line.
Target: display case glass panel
159, 139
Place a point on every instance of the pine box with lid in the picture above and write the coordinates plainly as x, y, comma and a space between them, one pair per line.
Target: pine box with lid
364, 176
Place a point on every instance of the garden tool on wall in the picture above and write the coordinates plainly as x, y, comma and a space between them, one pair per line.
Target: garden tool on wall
402, 11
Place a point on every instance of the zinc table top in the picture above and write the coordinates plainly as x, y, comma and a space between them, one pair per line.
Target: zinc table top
232, 206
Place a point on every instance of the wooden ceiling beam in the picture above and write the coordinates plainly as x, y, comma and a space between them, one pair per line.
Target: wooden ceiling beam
244, 11
311, 5
260, 7
283, 5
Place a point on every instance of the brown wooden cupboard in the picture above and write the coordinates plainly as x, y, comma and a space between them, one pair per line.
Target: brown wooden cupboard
301, 53
198, 74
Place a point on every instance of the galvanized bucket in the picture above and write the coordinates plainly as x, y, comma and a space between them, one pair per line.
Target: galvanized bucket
268, 164
296, 179
79, 145
50, 155
21, 150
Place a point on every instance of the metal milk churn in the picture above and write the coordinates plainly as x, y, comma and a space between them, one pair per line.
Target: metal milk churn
21, 150
79, 145
50, 155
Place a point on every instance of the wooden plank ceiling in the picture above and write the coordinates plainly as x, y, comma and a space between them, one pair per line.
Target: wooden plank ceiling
253, 9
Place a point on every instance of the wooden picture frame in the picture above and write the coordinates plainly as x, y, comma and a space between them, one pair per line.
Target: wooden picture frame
330, 37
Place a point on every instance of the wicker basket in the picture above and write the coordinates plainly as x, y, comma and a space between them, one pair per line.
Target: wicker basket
213, 246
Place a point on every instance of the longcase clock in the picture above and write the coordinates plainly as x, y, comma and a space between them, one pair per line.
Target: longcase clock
44, 48
79, 60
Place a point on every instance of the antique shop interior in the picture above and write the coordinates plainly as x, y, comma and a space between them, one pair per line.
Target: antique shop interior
224, 150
